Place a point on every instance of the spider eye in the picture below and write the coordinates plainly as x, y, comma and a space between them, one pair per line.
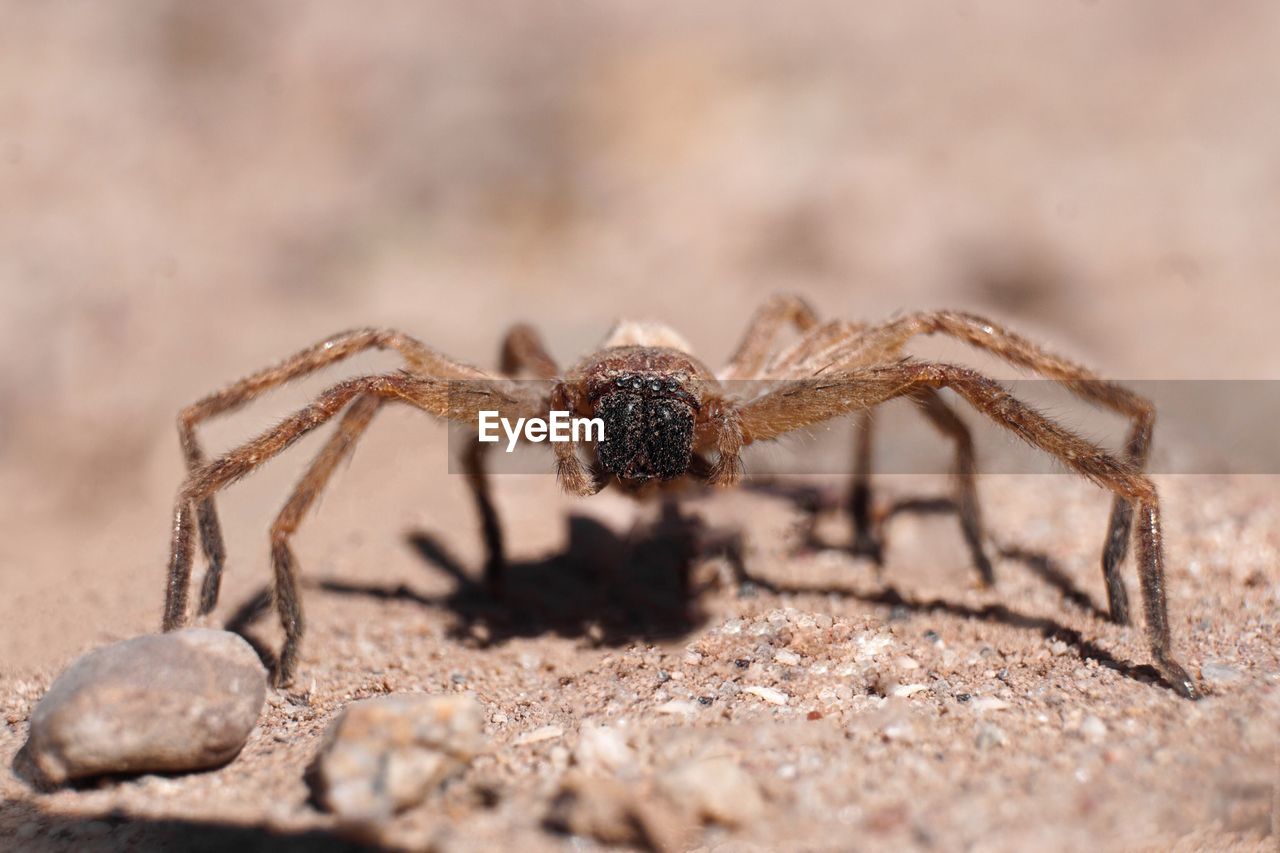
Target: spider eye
673, 384
655, 385
621, 381
637, 383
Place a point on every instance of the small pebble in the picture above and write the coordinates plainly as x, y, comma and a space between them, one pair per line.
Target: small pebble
787, 657
990, 736
181, 701
603, 749
768, 694
988, 703
715, 789
870, 645
905, 690
898, 729
613, 813
1219, 674
384, 755
1093, 729
677, 706
538, 735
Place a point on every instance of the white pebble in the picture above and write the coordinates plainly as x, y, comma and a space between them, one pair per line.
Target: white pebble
715, 789
988, 703
768, 694
1219, 673
870, 645
1093, 728
907, 689
603, 748
538, 735
677, 706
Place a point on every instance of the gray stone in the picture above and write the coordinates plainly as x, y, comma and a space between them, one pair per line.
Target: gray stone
186, 700
991, 736
1218, 674
384, 755
613, 813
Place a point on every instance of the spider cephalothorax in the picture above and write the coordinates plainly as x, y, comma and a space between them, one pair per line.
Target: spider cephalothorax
667, 418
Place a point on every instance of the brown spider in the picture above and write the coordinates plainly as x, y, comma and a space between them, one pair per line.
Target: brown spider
668, 418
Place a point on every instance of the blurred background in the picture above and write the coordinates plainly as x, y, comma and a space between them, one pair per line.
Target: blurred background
189, 191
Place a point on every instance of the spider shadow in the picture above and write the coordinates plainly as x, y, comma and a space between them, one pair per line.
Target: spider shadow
609, 588
814, 500
242, 620
612, 589
108, 831
617, 589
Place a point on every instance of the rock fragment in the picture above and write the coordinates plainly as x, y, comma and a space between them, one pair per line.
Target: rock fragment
538, 735
715, 789
991, 736
613, 812
1218, 675
604, 749
768, 694
1093, 729
384, 755
173, 702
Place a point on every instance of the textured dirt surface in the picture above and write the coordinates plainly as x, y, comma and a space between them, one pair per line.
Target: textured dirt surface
187, 194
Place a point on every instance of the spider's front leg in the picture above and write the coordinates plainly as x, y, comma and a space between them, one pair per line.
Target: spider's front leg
438, 396
884, 343
807, 402
208, 479
284, 565
238, 394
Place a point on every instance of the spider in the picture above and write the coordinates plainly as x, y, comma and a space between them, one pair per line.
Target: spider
667, 418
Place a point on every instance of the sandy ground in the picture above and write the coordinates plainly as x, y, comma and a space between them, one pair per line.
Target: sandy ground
188, 194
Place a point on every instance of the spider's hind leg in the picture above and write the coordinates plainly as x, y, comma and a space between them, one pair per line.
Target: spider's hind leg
777, 312
495, 564
868, 535
522, 352
867, 541
949, 423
